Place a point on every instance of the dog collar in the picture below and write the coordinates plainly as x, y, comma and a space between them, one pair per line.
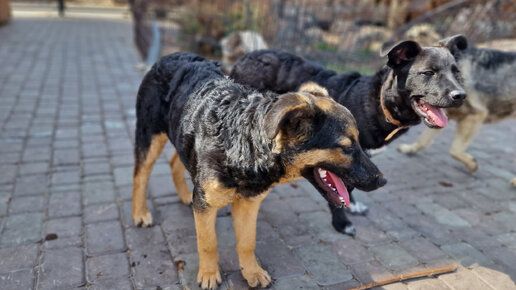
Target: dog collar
388, 116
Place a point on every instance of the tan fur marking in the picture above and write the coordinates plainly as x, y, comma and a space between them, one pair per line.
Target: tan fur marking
352, 131
314, 89
178, 176
209, 274
293, 170
142, 171
245, 213
325, 104
345, 142
217, 195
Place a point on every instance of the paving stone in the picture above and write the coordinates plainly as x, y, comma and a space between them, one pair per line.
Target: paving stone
104, 237
33, 168
467, 255
463, 279
27, 204
108, 266
101, 212
98, 192
424, 284
425, 226
66, 177
17, 258
23, 279
5, 198
402, 234
423, 249
153, 266
370, 272
503, 256
22, 229
442, 215
161, 185
320, 225
295, 282
96, 168
31, 185
351, 251
495, 276
476, 238
110, 284
66, 156
141, 237
61, 268
64, 204
275, 257
123, 175
394, 257
64, 227
323, 265
63, 242
508, 239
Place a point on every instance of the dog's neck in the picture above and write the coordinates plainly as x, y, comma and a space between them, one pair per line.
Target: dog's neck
249, 153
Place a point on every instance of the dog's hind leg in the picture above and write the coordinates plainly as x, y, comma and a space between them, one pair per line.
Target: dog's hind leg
423, 141
145, 157
467, 128
178, 176
245, 213
340, 221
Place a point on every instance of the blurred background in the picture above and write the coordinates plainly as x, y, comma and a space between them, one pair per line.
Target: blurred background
341, 34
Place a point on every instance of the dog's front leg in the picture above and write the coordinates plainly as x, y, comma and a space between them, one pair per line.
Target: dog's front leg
245, 213
209, 275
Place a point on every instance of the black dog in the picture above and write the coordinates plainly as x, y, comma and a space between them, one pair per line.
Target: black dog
237, 143
415, 85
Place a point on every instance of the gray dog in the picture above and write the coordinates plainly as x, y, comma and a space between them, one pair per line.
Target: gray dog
490, 82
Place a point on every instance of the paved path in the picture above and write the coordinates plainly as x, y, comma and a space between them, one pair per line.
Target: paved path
67, 94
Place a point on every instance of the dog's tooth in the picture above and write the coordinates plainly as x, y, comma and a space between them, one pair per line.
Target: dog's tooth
322, 174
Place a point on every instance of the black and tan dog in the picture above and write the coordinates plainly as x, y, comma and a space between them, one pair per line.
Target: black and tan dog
414, 86
236, 143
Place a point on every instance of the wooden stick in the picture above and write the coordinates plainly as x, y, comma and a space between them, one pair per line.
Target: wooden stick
399, 278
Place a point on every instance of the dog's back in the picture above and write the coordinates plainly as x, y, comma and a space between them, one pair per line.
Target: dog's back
489, 81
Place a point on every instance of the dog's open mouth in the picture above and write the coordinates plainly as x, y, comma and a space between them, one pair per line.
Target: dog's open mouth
433, 116
333, 186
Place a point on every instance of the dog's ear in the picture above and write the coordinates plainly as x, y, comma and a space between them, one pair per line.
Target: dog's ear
289, 121
314, 89
455, 44
401, 52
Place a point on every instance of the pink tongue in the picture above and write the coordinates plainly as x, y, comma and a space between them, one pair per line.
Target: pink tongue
341, 188
437, 116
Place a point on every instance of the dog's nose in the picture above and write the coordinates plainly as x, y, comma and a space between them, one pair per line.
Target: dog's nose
381, 181
458, 95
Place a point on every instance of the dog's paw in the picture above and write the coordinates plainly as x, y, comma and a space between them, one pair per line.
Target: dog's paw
513, 181
357, 208
209, 279
406, 149
257, 276
143, 220
472, 166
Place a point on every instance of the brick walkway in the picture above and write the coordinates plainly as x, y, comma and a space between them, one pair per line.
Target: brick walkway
67, 94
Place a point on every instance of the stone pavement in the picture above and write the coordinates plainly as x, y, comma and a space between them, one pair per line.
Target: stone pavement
67, 94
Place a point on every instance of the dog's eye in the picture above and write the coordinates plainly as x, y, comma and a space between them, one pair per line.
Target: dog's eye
455, 70
348, 150
428, 73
